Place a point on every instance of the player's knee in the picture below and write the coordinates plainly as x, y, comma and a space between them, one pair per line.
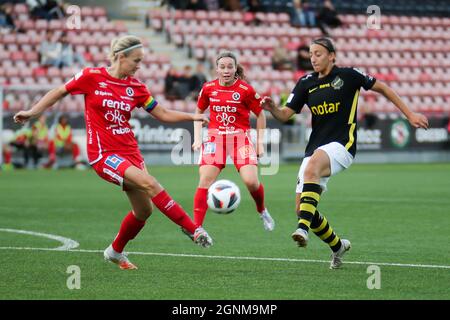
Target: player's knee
205, 182
149, 185
251, 184
311, 172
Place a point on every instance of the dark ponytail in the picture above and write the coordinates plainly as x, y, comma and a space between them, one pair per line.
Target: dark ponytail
240, 72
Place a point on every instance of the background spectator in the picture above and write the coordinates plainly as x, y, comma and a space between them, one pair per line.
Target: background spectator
45, 9
196, 5
303, 59
328, 17
49, 51
67, 56
281, 59
198, 79
303, 14
6, 19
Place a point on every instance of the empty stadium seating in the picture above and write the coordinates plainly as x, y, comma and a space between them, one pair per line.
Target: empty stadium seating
410, 53
19, 57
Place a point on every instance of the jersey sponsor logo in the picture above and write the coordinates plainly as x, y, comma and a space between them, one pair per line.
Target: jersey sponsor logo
225, 119
337, 83
129, 91
224, 108
214, 93
214, 100
120, 131
114, 176
236, 96
115, 116
114, 104
313, 89
235, 102
102, 93
103, 84
114, 161
325, 108
126, 98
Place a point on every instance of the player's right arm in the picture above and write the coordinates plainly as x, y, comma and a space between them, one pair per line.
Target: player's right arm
294, 103
281, 114
46, 102
197, 132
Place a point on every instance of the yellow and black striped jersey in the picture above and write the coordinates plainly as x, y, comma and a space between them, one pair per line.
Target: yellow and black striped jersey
333, 101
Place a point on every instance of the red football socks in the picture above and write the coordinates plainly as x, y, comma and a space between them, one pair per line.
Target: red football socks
129, 228
200, 205
173, 211
258, 196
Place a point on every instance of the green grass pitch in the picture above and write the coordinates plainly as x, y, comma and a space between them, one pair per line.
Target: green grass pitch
396, 216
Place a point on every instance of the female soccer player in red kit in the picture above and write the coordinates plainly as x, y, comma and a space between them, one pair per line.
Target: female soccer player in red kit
110, 96
230, 101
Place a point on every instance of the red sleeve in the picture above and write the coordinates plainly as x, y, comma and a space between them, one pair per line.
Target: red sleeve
203, 99
79, 84
253, 101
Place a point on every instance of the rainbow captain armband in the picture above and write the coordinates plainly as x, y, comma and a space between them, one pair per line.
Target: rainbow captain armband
150, 104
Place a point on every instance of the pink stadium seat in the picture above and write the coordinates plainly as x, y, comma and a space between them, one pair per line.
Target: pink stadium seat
99, 11
87, 11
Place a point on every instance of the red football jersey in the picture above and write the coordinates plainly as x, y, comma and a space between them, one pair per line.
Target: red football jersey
108, 105
229, 107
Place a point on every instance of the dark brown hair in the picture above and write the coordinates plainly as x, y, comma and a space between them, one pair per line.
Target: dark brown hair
240, 73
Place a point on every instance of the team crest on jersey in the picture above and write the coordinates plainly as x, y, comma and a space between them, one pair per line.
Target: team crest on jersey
236, 96
114, 161
130, 92
337, 83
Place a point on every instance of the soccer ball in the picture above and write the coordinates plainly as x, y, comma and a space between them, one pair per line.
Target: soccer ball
224, 196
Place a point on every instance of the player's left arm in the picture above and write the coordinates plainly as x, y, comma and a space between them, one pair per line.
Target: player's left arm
417, 120
167, 115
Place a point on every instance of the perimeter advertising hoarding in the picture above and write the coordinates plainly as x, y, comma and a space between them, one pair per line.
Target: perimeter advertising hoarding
378, 135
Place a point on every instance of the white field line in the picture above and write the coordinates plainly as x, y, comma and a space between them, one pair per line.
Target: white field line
405, 265
69, 245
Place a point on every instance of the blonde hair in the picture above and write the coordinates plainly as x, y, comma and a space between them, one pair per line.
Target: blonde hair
123, 45
240, 72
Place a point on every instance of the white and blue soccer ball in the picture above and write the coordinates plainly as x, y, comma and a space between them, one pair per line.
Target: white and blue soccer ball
224, 196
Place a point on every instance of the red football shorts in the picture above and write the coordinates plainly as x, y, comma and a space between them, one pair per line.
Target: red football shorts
111, 167
237, 146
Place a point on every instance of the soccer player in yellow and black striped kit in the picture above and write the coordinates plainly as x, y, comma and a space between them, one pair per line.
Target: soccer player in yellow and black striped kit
331, 93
